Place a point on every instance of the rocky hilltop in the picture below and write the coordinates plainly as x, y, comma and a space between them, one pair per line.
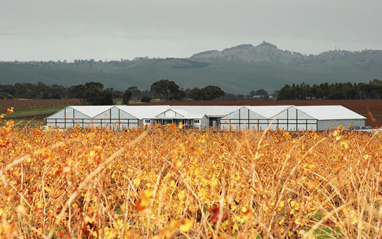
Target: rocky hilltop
265, 52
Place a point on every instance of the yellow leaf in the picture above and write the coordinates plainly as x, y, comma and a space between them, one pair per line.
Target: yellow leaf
181, 195
178, 164
186, 225
137, 181
144, 201
196, 171
10, 123
39, 205
235, 227
172, 183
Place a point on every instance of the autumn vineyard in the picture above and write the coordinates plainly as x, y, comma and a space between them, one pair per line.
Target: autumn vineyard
166, 182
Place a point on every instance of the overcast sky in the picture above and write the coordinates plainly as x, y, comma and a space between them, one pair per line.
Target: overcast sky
125, 29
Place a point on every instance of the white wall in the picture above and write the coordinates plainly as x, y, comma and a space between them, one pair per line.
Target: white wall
243, 119
67, 118
293, 119
203, 123
289, 119
333, 124
114, 118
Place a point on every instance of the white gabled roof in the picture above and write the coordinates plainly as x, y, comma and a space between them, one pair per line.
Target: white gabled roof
143, 111
86, 110
210, 111
320, 112
329, 112
269, 111
92, 110
184, 113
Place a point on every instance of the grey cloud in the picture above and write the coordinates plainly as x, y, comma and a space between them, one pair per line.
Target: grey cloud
181, 28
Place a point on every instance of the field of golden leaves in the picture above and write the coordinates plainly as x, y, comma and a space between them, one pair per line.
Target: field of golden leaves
172, 183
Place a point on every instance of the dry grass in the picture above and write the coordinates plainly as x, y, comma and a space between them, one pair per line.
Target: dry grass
184, 184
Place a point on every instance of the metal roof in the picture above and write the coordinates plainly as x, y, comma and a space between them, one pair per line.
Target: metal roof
184, 113
143, 111
269, 111
320, 112
329, 112
92, 110
210, 111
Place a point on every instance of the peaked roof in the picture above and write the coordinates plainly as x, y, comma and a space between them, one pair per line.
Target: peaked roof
269, 111
92, 110
329, 112
320, 112
143, 112
185, 113
210, 111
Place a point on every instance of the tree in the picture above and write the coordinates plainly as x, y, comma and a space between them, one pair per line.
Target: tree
211, 92
92, 93
195, 94
106, 98
136, 93
167, 90
207, 93
284, 93
117, 94
146, 99
127, 97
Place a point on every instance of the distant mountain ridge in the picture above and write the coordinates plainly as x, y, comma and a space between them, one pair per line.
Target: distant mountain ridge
265, 52
239, 69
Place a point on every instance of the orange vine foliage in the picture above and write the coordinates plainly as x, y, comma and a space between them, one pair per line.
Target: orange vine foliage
174, 183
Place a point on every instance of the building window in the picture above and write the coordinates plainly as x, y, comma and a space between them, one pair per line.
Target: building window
147, 121
196, 121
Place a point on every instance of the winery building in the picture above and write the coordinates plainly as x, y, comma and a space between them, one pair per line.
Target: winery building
286, 117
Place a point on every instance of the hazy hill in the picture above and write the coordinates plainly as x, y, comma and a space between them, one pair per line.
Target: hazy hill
238, 69
264, 52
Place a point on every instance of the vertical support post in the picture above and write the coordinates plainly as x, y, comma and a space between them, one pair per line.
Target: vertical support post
316, 125
249, 127
296, 119
287, 128
239, 119
73, 120
119, 119
258, 125
277, 120
65, 118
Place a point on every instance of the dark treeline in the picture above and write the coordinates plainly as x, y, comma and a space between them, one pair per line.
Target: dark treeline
336, 91
43, 91
33, 91
93, 93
